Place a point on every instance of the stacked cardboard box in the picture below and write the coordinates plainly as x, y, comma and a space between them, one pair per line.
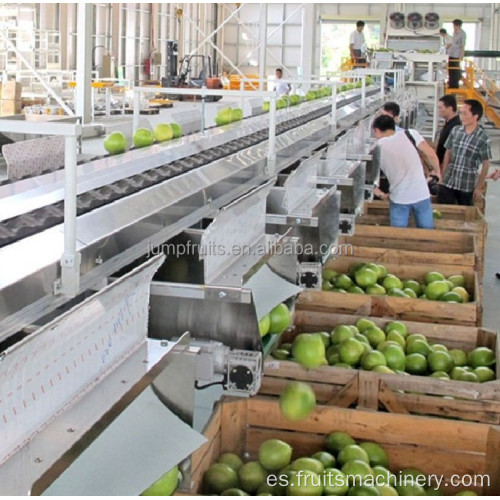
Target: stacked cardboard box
11, 103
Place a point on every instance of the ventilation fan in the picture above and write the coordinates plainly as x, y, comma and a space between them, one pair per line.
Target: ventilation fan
414, 21
397, 20
431, 21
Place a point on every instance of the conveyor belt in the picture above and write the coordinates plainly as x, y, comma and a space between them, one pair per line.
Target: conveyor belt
28, 224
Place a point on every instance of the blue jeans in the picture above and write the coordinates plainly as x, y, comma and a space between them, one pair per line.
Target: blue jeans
422, 211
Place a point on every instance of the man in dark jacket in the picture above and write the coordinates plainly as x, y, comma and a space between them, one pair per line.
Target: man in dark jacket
447, 109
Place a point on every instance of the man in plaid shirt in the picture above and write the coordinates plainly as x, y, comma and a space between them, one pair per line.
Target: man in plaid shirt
467, 147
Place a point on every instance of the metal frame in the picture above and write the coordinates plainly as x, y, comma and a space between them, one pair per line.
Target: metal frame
69, 283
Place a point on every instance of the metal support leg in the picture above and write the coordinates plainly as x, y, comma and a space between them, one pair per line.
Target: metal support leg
271, 154
334, 107
70, 260
363, 92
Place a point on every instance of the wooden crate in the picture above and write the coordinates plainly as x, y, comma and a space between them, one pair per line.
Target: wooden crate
435, 446
403, 308
455, 218
394, 393
397, 245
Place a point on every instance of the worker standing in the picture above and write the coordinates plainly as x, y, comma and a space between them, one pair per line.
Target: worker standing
467, 147
357, 46
445, 41
282, 86
456, 54
447, 109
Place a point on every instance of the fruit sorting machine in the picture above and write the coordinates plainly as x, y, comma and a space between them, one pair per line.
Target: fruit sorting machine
213, 187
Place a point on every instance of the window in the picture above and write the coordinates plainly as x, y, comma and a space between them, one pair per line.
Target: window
335, 42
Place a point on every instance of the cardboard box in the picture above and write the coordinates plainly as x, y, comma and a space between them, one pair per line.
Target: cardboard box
10, 107
12, 91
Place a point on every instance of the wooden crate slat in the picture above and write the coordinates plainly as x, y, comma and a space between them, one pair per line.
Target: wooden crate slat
373, 426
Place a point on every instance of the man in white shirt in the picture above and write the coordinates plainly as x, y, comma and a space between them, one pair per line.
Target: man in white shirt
445, 42
400, 161
456, 54
282, 86
357, 45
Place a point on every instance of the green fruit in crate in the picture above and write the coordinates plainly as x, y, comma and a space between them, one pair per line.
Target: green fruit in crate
220, 477
398, 326
274, 454
439, 347
396, 337
391, 281
463, 293
457, 372
375, 335
440, 361
326, 286
432, 276
412, 285
142, 138
343, 281
115, 143
467, 377
297, 401
327, 459
231, 459
177, 129
339, 290
416, 364
386, 343
387, 491
354, 329
457, 280
336, 441
281, 354
350, 351
375, 268
308, 463
451, 286
325, 337
451, 297
484, 374
441, 375
309, 350
459, 357
266, 489
264, 325
372, 359
437, 214
364, 323
383, 270
343, 365
335, 482
363, 491
163, 132
382, 369
365, 277
409, 293
357, 470
413, 337
376, 454
352, 452
251, 476
356, 267
375, 290
355, 289
333, 359
333, 349
396, 292
306, 484
166, 485
395, 357
383, 475
329, 274
418, 346
363, 340
234, 492
280, 318
481, 356
341, 333
407, 490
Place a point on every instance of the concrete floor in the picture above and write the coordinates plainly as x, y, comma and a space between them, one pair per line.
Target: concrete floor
491, 292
